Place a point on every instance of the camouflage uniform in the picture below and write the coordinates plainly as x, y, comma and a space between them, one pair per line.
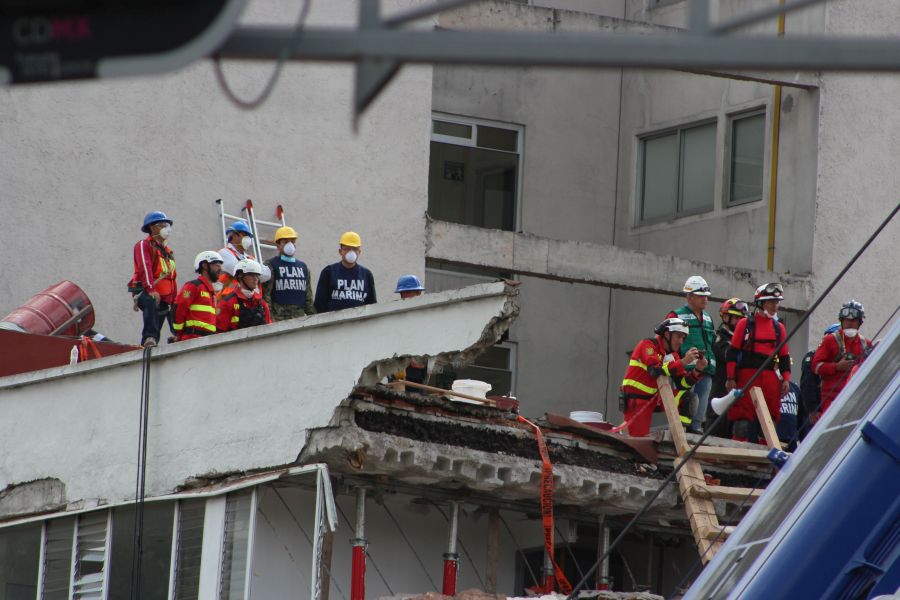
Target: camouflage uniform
282, 312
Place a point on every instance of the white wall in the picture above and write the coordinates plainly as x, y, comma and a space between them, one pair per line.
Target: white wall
82, 163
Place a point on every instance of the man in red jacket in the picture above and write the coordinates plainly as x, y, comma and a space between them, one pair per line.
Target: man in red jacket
651, 358
195, 313
153, 284
839, 352
244, 305
754, 339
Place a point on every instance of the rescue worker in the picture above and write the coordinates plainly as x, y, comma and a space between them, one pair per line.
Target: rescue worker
731, 311
811, 385
195, 314
754, 339
244, 306
289, 292
240, 242
347, 283
839, 352
409, 286
701, 336
652, 357
153, 284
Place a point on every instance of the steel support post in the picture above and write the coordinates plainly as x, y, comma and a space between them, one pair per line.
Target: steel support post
358, 559
451, 558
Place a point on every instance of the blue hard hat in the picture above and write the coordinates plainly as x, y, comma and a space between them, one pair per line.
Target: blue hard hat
409, 283
832, 328
240, 227
157, 216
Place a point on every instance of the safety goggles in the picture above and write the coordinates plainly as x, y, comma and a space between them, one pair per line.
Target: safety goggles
739, 309
849, 312
774, 289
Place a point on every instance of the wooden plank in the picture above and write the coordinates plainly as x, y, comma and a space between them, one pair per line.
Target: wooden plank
765, 419
727, 493
718, 533
436, 390
732, 454
701, 512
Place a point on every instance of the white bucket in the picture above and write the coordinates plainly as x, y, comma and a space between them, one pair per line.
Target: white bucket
586, 416
471, 387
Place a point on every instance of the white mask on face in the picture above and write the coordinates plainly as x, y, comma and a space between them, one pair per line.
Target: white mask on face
773, 315
165, 232
351, 256
247, 242
289, 249
247, 293
851, 333
217, 286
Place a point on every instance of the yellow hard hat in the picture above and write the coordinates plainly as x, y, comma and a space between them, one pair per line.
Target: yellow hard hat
285, 233
351, 238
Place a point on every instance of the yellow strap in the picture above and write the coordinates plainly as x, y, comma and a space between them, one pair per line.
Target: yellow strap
637, 363
201, 325
202, 308
665, 369
637, 384
177, 326
686, 420
235, 319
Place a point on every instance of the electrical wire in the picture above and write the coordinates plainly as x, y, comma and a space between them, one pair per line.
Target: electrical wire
352, 526
885, 324
409, 543
137, 557
276, 72
749, 384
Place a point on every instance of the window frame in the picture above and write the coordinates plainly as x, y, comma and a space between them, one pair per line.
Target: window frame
678, 130
728, 155
471, 142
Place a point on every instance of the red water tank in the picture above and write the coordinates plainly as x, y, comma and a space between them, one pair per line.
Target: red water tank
61, 309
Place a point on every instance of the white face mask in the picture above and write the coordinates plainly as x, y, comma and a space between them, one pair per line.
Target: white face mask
289, 249
773, 315
351, 256
165, 232
247, 242
217, 286
247, 293
668, 358
851, 333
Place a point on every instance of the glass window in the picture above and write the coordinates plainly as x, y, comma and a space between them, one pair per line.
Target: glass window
748, 135
191, 514
90, 555
57, 559
235, 550
157, 554
20, 556
678, 173
473, 179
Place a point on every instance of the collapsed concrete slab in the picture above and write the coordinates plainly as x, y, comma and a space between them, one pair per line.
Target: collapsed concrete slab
233, 402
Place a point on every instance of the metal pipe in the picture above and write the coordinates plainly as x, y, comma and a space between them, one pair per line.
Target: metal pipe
773, 169
549, 575
358, 564
451, 558
603, 572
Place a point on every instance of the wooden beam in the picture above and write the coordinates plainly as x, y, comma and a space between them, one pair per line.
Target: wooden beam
732, 454
728, 493
765, 419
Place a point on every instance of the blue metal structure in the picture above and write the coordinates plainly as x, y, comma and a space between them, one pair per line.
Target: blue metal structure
828, 526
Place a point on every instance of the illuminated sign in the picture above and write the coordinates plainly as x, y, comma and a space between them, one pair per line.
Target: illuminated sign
51, 40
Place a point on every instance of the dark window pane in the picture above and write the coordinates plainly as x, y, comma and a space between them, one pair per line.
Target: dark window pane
235, 546
495, 357
492, 367
499, 139
747, 152
191, 514
472, 186
454, 129
20, 555
698, 168
660, 178
58, 558
157, 555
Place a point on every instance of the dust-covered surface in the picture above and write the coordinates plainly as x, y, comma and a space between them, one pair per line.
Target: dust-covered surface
496, 442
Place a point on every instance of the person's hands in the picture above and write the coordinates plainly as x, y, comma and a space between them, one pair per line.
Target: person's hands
730, 384
701, 364
691, 356
845, 364
785, 386
155, 296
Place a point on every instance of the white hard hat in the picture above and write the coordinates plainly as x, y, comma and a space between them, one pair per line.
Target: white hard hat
248, 266
209, 256
673, 324
696, 285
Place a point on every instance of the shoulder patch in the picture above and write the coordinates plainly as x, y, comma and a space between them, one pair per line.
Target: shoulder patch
187, 293
650, 351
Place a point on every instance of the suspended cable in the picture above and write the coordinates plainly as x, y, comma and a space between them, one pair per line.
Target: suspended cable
286, 52
409, 544
534, 579
747, 386
140, 479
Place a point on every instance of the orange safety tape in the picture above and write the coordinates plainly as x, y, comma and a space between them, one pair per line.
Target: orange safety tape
547, 504
643, 409
87, 344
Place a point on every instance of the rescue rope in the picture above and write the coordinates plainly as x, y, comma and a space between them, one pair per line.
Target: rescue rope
141, 479
649, 405
749, 384
547, 504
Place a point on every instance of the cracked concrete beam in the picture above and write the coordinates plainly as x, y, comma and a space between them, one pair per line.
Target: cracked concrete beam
598, 264
282, 380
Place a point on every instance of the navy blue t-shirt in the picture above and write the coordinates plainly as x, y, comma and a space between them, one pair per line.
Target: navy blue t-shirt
289, 281
340, 287
786, 428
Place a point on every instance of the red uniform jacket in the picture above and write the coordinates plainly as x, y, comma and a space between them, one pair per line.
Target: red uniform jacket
748, 351
230, 306
154, 269
195, 311
825, 359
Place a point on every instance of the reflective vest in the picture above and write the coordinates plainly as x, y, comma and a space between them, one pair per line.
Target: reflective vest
154, 270
236, 312
647, 362
700, 335
195, 310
